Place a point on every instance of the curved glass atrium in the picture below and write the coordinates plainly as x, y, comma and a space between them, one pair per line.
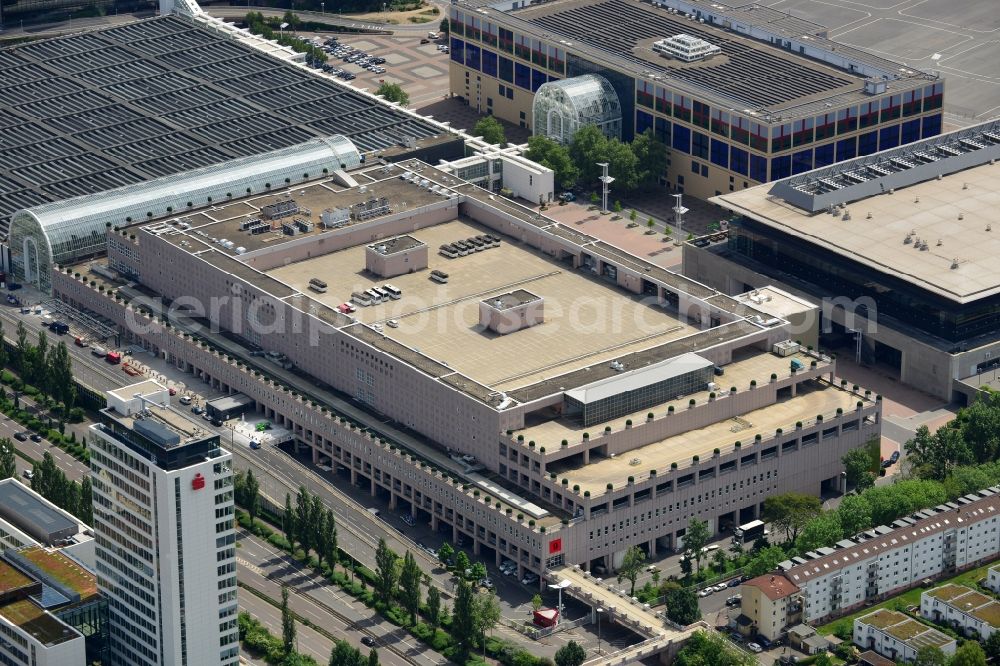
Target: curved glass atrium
560, 108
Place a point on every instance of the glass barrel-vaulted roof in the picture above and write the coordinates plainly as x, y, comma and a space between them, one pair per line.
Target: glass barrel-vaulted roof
67, 230
560, 108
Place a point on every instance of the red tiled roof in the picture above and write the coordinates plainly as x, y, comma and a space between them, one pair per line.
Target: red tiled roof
775, 586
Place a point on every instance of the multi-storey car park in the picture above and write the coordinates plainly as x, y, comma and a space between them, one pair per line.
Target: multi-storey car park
741, 94
554, 400
899, 245
91, 112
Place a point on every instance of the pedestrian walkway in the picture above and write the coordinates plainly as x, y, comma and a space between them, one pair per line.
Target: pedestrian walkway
617, 606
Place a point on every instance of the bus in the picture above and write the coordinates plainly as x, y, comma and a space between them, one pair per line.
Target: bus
439, 276
750, 532
317, 285
394, 292
375, 295
361, 298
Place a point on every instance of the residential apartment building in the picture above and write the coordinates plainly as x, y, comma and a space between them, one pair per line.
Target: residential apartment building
51, 613
993, 578
163, 517
885, 561
898, 637
603, 437
769, 604
764, 95
970, 612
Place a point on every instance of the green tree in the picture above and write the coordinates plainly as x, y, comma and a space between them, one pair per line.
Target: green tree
970, 653
858, 468
631, 567
445, 553
855, 514
623, 165
823, 530
386, 572
444, 26
765, 560
651, 156
86, 513
344, 654
633, 216
372, 657
409, 585
686, 566
992, 647
463, 626
902, 498
462, 564
21, 348
719, 560
486, 615
251, 496
392, 92
433, 607
305, 528
491, 131
536, 602
790, 512
329, 553
589, 147
288, 521
618, 206
287, 623
555, 156
695, 539
935, 456
682, 603
8, 465
478, 571
930, 656
4, 356
979, 426
711, 649
58, 375
571, 654
823, 660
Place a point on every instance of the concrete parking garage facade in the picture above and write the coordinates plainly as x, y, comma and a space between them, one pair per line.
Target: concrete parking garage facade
541, 491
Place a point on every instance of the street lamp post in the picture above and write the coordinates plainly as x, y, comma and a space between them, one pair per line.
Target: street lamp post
606, 180
561, 585
600, 612
322, 7
679, 211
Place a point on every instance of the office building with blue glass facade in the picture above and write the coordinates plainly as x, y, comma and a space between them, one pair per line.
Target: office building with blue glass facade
775, 99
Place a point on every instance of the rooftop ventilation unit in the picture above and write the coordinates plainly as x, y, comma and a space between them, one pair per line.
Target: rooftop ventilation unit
685, 47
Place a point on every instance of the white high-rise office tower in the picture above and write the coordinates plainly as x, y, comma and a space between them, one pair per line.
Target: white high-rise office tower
163, 519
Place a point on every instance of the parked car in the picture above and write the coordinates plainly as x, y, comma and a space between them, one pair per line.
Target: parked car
894, 458
704, 593
530, 578
28, 474
734, 582
567, 197
254, 444
185, 400
755, 648
487, 583
197, 411
408, 519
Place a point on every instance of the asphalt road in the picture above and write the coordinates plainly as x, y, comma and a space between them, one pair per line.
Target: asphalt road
358, 530
308, 641
265, 568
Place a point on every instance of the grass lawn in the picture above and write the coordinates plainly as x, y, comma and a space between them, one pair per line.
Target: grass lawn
910, 598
